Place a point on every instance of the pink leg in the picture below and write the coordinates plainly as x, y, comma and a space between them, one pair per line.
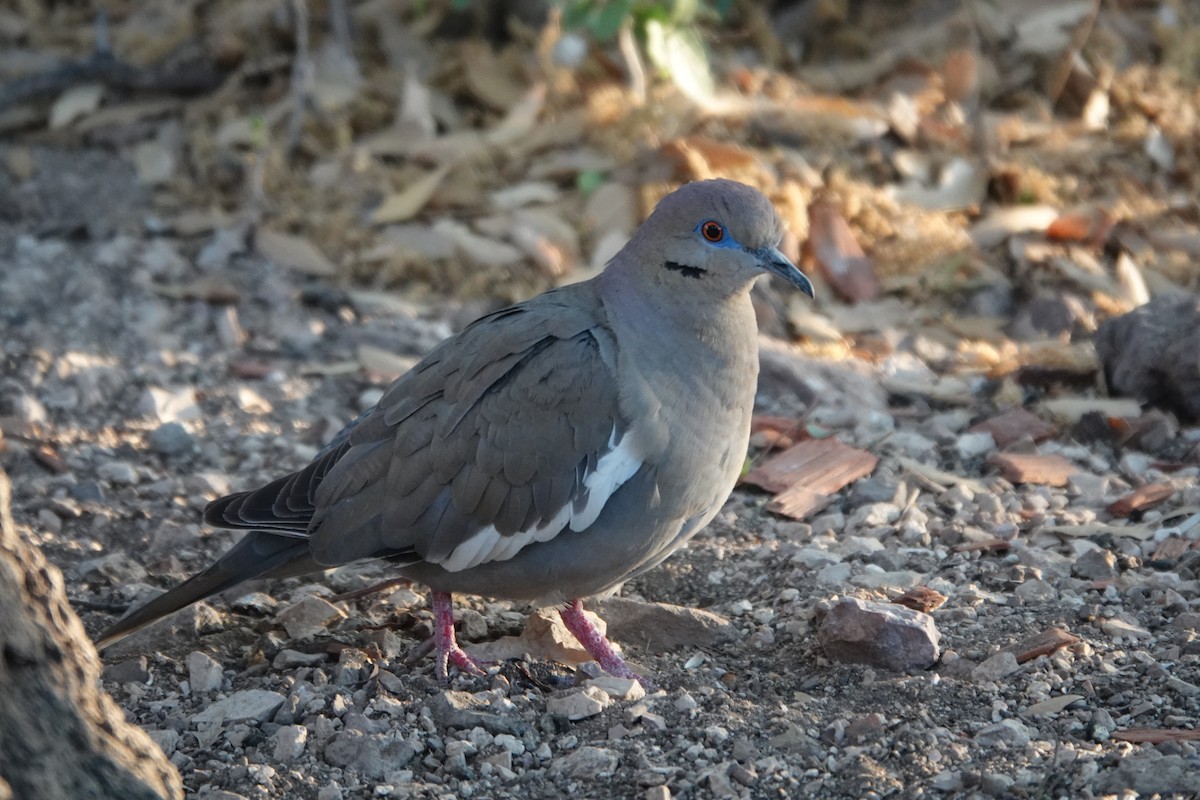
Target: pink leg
595, 642
445, 646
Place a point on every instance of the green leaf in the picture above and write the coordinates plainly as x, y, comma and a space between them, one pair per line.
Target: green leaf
608, 18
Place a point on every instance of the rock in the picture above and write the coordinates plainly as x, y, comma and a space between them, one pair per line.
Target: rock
289, 659
544, 637
289, 742
1035, 591
257, 705
619, 688
576, 705
996, 667
1096, 565
204, 672
309, 617
166, 738
662, 627
118, 473
1147, 773
1150, 354
352, 668
464, 710
62, 737
135, 670
1009, 732
975, 444
167, 405
373, 755
591, 763
171, 439
882, 634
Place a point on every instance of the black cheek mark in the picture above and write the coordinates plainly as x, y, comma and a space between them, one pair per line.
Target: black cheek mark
688, 272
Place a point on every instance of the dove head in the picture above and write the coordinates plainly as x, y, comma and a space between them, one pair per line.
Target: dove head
710, 237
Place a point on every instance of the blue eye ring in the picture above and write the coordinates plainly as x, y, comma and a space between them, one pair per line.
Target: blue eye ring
712, 231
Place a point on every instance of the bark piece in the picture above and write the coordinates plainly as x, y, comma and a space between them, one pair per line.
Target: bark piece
1140, 499
1041, 644
1015, 425
1046, 470
808, 474
61, 738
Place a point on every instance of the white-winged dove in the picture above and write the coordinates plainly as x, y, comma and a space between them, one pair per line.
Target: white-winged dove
550, 451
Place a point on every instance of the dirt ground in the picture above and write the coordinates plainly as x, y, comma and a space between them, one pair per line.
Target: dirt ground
187, 310
115, 502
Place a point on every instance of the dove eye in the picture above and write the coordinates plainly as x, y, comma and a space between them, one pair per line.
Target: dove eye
712, 231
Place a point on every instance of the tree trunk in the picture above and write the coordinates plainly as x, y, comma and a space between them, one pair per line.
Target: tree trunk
61, 736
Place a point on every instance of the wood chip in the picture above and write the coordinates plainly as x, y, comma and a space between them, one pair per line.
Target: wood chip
1157, 735
921, 598
1015, 425
806, 475
1140, 499
1045, 470
1042, 644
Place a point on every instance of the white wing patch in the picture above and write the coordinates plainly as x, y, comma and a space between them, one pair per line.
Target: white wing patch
615, 467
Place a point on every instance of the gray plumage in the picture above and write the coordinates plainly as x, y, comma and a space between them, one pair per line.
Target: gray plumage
551, 450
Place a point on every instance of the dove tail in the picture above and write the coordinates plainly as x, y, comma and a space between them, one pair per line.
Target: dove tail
258, 555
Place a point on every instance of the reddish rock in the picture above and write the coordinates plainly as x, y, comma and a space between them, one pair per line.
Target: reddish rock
881, 634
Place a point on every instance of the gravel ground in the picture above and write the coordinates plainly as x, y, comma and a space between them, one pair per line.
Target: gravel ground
128, 404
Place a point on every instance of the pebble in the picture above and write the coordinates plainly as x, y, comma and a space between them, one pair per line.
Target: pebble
995, 667
169, 405
882, 634
118, 473
588, 702
204, 672
974, 445
171, 439
257, 705
619, 688
1096, 565
289, 742
1009, 732
588, 762
309, 617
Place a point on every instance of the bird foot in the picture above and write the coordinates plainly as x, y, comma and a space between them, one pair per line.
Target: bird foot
443, 643
597, 644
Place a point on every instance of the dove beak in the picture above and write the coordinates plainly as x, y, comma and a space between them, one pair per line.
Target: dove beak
776, 263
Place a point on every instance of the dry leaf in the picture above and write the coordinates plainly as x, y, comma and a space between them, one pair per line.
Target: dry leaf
292, 252
216, 289
383, 362
74, 103
1052, 706
405, 205
837, 252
